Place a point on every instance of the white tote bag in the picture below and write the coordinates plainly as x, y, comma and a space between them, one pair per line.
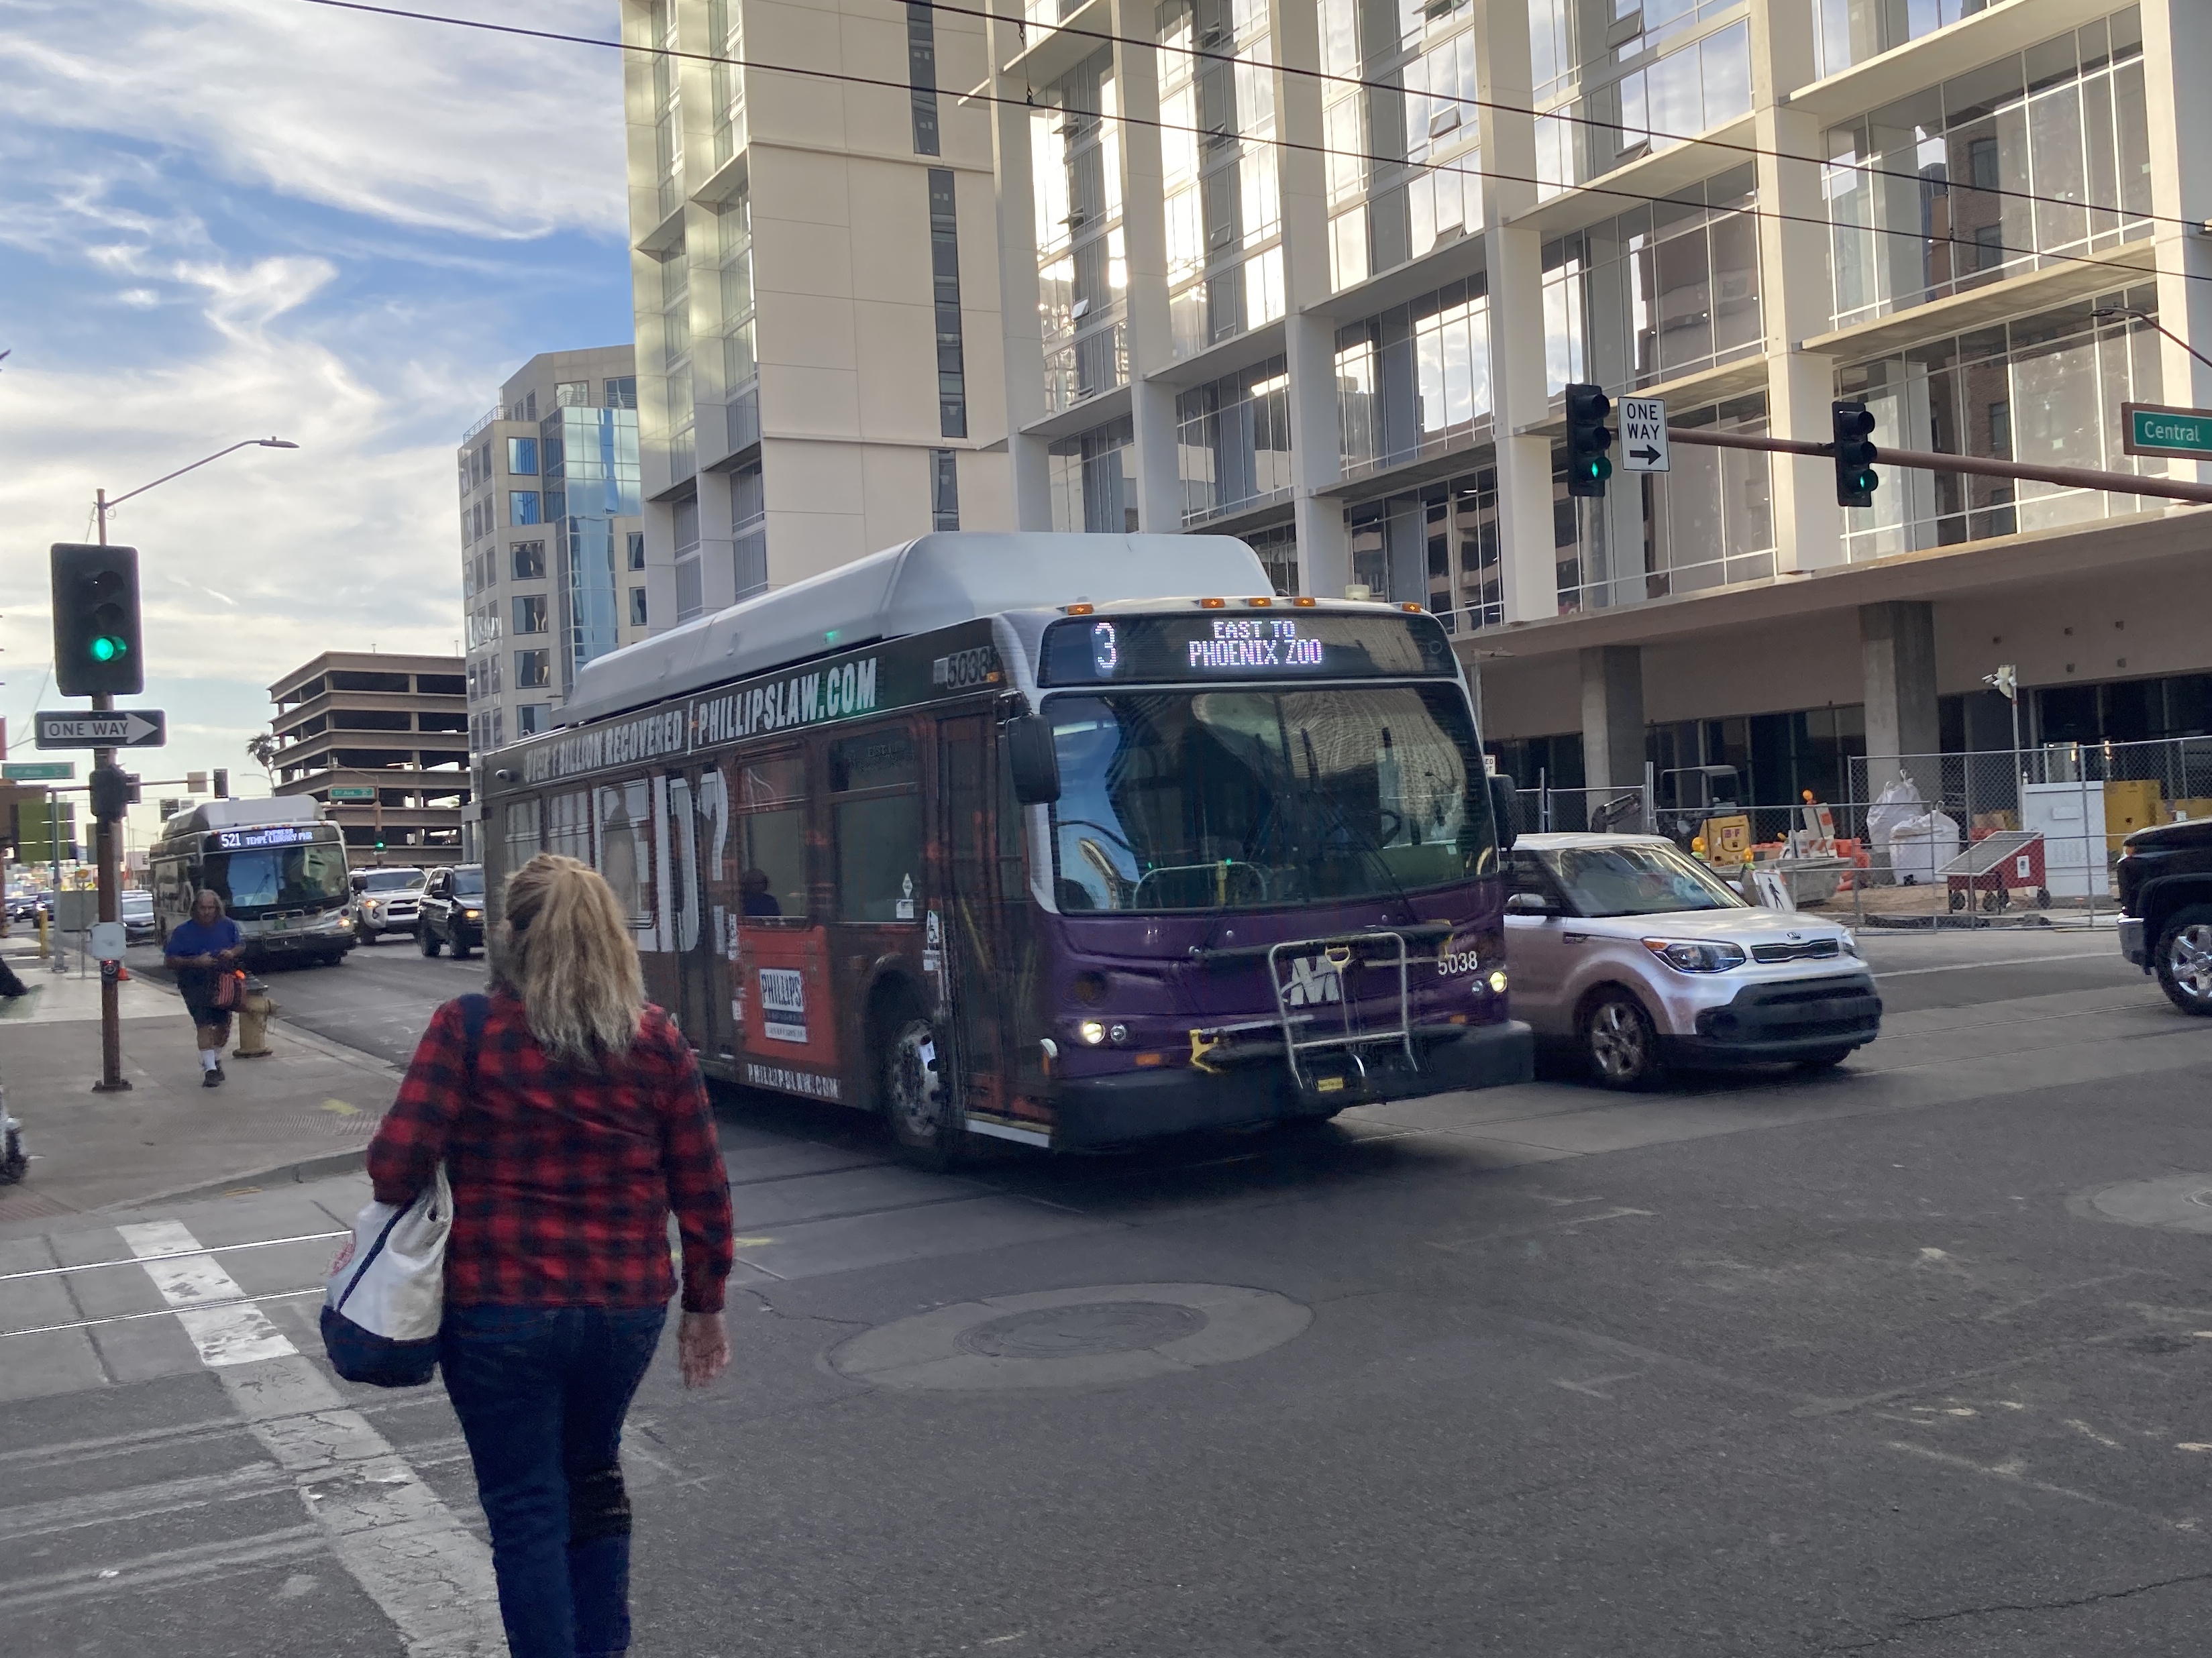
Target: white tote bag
391, 1279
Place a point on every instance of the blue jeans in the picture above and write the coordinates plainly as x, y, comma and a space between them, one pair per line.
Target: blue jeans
541, 1393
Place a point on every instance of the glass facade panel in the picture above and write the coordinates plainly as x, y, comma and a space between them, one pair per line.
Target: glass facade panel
1436, 545
922, 75
1223, 200
943, 489
676, 351
1848, 32
740, 366
1625, 82
522, 457
1093, 478
1082, 261
724, 33
1234, 442
522, 506
1912, 190
944, 286
2044, 389
1414, 381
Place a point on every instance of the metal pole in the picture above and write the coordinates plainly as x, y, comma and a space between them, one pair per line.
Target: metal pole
54, 846
112, 1079
2076, 477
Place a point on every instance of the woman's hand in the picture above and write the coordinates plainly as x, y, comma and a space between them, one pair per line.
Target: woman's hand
703, 1347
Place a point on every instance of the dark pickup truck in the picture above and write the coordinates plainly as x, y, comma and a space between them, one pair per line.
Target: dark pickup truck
2164, 875
452, 911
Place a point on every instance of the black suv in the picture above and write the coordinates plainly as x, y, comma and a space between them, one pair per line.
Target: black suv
2164, 875
452, 911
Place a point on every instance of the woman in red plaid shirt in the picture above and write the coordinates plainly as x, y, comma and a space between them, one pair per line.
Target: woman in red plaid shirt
570, 1128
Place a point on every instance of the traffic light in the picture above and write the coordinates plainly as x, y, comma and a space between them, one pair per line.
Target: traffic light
111, 789
1588, 439
1855, 479
222, 784
97, 648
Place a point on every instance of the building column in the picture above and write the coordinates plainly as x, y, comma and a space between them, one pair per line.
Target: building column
1021, 334
1613, 717
1144, 239
1528, 556
1897, 648
1308, 332
1795, 295
2177, 45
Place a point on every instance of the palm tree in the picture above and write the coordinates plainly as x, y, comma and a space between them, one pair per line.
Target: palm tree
261, 748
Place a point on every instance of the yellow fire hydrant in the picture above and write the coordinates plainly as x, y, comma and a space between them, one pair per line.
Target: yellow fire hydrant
255, 1010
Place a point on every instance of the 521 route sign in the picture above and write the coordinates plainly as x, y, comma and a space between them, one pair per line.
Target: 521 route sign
125, 728
1642, 434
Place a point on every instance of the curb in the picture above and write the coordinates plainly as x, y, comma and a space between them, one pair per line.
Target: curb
284, 1173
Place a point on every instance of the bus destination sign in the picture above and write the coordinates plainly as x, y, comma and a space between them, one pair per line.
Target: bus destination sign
254, 840
1210, 646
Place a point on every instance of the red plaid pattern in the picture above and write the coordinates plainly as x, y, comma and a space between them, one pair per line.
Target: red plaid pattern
563, 1180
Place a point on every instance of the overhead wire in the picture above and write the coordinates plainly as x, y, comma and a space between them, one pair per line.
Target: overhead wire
1865, 169
1642, 198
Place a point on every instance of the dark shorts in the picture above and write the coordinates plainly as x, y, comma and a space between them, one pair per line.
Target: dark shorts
209, 1017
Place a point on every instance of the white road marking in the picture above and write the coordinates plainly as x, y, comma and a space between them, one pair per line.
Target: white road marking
429, 1574
2006, 961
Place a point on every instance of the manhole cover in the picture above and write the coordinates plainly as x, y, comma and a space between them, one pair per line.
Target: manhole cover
1096, 1327
2180, 1202
1073, 1337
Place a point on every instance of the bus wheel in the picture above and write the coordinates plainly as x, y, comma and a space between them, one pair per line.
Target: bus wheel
916, 1095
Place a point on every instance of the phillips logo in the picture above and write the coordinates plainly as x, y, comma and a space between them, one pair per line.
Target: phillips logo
1317, 979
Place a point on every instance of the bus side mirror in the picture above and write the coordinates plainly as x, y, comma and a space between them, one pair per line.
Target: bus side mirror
1034, 762
1506, 808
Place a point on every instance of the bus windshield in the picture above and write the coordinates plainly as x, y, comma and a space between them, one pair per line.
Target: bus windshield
1239, 800
286, 878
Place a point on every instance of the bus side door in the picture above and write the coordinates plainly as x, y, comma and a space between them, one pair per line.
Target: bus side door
699, 820
975, 928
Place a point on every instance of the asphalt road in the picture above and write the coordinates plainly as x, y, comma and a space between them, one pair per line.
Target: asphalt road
1912, 1357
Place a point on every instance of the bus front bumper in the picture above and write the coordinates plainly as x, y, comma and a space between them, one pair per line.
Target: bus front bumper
1101, 1111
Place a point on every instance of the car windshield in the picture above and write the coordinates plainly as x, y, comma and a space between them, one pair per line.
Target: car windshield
468, 883
1235, 799
394, 880
142, 902
1643, 878
295, 877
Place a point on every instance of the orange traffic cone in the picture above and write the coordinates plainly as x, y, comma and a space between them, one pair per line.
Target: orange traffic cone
121, 972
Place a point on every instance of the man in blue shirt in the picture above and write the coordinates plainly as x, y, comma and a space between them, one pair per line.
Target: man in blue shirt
201, 952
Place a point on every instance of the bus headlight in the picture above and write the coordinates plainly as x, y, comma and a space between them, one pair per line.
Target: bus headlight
1498, 982
1093, 1032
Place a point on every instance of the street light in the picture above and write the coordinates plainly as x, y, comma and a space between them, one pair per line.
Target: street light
112, 1079
104, 506
2145, 318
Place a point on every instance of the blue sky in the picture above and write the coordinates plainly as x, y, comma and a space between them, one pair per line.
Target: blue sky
225, 219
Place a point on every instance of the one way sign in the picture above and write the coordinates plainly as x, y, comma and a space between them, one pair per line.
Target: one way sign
126, 728
1643, 434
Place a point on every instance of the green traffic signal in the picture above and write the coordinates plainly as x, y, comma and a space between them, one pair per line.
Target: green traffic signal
106, 647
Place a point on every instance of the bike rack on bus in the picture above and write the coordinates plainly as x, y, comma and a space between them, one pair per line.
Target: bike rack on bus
1339, 951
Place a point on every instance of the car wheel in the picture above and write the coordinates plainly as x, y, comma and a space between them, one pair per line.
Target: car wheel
1620, 1043
2184, 959
461, 951
427, 941
916, 1093
1827, 1059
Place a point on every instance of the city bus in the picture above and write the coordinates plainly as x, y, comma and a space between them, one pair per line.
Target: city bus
979, 833
279, 868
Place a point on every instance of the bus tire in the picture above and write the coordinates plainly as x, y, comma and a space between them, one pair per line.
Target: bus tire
913, 1086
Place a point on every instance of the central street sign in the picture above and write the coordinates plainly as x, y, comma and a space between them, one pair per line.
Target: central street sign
2152, 429
350, 791
38, 771
126, 728
1642, 434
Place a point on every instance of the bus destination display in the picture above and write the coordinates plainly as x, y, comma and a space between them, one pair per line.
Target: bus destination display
251, 840
1320, 645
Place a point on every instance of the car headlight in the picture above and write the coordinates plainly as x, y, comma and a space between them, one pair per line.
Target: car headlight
1686, 956
1851, 947
472, 915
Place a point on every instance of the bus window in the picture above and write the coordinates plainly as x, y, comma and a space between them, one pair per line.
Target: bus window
568, 824
625, 821
875, 783
521, 833
772, 840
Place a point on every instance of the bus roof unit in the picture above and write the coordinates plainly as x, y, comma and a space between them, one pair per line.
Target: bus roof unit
935, 581
245, 814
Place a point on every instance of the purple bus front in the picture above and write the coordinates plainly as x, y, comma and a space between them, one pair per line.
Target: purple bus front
1277, 876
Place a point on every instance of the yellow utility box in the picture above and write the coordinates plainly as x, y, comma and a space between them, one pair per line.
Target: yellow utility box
2131, 804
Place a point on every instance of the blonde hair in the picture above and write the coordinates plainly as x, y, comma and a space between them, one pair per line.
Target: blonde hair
564, 949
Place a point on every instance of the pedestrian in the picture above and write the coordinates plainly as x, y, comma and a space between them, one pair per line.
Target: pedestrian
570, 1128
200, 952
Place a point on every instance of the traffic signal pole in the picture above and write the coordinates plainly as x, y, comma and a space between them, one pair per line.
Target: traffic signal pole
112, 1079
1928, 460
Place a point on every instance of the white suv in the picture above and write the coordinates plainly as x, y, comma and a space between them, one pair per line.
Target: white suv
1625, 947
385, 900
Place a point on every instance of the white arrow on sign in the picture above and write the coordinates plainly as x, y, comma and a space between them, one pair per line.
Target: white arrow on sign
1643, 434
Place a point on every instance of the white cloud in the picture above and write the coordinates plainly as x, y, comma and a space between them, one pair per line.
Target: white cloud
416, 123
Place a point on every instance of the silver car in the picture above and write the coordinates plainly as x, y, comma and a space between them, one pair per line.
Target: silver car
385, 900
1631, 951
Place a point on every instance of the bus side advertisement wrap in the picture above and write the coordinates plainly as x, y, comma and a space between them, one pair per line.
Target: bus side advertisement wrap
898, 674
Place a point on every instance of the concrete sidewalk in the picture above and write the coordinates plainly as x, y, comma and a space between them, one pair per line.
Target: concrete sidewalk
304, 1111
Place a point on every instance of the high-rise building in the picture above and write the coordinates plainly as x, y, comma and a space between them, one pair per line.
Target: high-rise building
1317, 273
815, 273
389, 732
553, 558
